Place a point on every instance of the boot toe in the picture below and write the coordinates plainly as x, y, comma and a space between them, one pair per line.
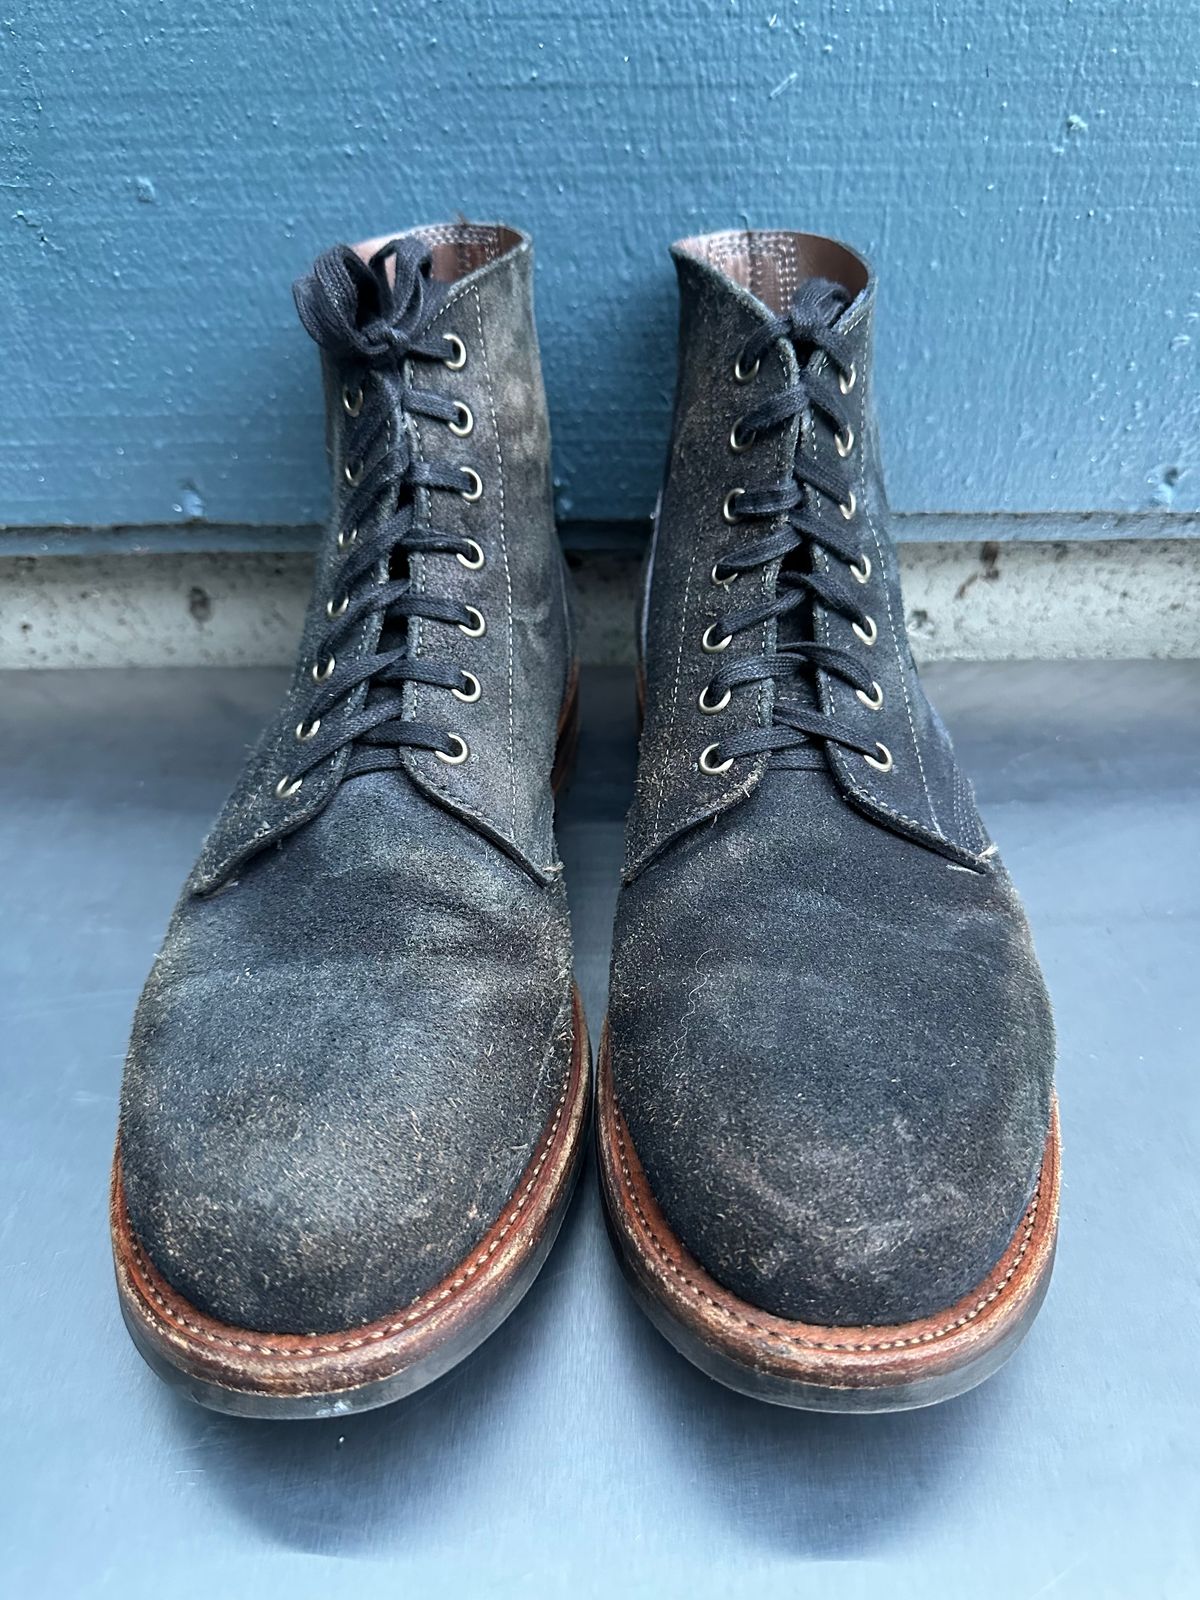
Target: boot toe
840, 1102
334, 1086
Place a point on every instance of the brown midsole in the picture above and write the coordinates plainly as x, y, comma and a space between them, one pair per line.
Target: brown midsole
837, 1357
315, 1364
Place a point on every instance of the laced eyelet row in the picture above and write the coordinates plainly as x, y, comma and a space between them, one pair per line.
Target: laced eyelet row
714, 640
473, 559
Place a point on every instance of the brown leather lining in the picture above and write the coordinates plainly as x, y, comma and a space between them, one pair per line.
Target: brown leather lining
867, 1357
314, 1364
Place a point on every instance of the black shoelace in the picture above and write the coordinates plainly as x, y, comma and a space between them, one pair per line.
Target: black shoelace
372, 326
817, 505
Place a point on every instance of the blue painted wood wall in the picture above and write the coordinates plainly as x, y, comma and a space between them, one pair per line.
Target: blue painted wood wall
1022, 172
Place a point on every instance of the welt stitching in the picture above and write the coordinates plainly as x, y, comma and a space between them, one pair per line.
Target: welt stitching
817, 1344
414, 1312
512, 744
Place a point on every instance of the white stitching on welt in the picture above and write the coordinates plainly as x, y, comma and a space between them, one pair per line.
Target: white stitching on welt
512, 743
414, 1312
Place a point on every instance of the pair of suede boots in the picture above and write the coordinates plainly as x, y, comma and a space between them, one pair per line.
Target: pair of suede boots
358, 1085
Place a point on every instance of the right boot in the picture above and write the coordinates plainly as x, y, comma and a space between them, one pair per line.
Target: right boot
353, 1107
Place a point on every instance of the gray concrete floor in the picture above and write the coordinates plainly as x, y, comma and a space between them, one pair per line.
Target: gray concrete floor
576, 1454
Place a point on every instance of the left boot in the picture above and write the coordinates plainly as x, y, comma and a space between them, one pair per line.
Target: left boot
826, 1123
353, 1106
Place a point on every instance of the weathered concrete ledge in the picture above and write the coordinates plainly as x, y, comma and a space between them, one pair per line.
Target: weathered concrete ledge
1121, 598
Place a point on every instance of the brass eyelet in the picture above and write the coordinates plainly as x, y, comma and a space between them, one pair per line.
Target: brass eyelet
707, 764
473, 690
744, 374
846, 381
868, 633
338, 610
873, 701
346, 538
286, 787
352, 401
466, 420
849, 507
860, 570
710, 709
723, 583
707, 642
322, 672
844, 442
474, 560
477, 628
353, 473
459, 359
458, 755
727, 511
308, 730
739, 442
884, 763
472, 494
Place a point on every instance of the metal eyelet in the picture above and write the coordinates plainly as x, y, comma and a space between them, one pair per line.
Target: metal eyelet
308, 730
333, 610
286, 787
710, 710
472, 494
849, 507
867, 634
846, 381
346, 538
707, 764
474, 560
459, 359
874, 701
884, 763
459, 755
844, 441
707, 642
744, 374
473, 690
352, 401
353, 473
727, 510
478, 628
723, 583
321, 673
737, 441
467, 423
860, 570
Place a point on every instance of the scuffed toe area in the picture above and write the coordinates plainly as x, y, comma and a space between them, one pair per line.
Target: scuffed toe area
342, 1064
834, 1054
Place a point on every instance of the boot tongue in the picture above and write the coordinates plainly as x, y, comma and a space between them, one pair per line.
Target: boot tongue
817, 300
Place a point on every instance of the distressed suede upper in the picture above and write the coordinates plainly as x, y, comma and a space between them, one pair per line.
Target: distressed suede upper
360, 1020
342, 1063
831, 1047
829, 1034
